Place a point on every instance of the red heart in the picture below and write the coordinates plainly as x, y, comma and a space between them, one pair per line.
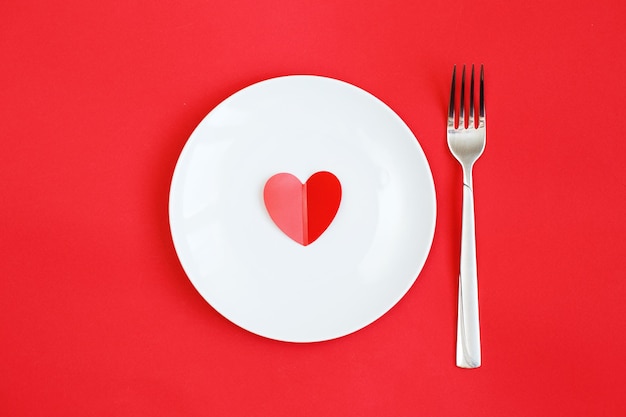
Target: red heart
302, 211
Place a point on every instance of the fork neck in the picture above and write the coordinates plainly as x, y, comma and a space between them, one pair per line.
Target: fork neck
467, 177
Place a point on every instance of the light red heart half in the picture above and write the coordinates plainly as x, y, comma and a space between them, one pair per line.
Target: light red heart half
303, 211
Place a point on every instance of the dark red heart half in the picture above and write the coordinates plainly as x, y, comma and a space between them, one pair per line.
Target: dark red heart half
302, 211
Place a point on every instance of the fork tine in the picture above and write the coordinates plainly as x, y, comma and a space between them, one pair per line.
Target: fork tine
481, 98
471, 100
451, 107
462, 101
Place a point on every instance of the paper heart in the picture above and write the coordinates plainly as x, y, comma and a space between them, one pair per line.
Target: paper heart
302, 211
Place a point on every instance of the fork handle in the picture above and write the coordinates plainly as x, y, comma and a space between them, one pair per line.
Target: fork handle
468, 325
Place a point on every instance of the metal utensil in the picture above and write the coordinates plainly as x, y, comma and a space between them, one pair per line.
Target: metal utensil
467, 144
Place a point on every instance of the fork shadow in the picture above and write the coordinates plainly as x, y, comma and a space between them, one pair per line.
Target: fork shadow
447, 174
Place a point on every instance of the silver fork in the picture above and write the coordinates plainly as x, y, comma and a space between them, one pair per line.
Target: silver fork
467, 144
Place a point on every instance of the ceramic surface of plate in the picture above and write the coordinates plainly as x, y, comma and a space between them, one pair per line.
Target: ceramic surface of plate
362, 263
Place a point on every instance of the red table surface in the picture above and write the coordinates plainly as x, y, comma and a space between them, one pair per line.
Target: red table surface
97, 315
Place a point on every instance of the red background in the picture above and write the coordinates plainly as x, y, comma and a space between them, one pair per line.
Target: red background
96, 102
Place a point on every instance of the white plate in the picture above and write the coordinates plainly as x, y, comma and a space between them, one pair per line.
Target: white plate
245, 266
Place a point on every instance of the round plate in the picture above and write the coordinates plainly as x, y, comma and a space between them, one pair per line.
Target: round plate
245, 266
